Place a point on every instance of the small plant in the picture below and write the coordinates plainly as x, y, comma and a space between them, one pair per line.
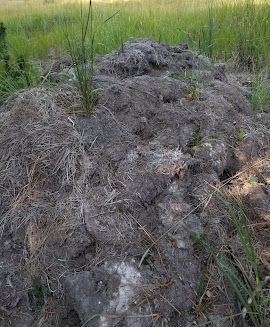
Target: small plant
240, 135
206, 298
196, 242
37, 293
196, 238
192, 83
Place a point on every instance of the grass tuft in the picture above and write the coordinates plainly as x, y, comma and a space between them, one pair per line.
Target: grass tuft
84, 69
83, 54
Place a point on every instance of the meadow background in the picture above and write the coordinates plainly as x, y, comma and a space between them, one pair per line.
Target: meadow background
234, 31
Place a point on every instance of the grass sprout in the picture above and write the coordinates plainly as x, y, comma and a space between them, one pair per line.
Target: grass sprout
192, 83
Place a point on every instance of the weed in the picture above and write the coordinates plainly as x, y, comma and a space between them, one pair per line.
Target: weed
205, 302
188, 38
192, 83
202, 281
255, 301
240, 136
205, 37
37, 293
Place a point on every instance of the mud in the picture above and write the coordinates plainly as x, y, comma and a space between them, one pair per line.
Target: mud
100, 211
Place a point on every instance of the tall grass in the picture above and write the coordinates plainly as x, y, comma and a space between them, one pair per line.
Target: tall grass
84, 70
235, 30
19, 74
261, 90
83, 58
14, 74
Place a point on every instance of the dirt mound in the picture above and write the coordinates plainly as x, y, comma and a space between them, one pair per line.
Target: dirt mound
96, 213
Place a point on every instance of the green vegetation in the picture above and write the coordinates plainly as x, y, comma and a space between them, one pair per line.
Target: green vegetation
36, 294
84, 71
245, 282
239, 137
226, 29
235, 30
192, 83
83, 60
15, 74
261, 90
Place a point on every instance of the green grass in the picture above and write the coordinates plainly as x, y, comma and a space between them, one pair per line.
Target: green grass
84, 70
192, 83
236, 30
20, 75
15, 74
260, 90
255, 301
247, 286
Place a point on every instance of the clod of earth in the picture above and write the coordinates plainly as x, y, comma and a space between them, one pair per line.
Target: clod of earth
83, 199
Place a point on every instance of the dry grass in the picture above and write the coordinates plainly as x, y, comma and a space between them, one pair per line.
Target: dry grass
40, 157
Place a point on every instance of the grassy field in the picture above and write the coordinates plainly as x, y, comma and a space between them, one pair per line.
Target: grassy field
235, 30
